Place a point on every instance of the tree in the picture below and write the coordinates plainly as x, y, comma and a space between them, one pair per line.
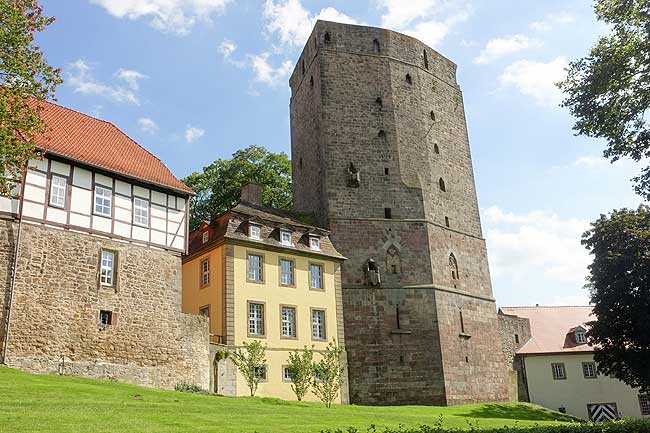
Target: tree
328, 374
251, 363
609, 90
218, 186
619, 283
26, 79
301, 371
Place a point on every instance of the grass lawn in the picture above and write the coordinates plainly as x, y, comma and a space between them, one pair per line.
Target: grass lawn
41, 403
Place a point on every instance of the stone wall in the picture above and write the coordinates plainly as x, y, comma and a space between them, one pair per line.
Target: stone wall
8, 233
509, 326
55, 316
390, 106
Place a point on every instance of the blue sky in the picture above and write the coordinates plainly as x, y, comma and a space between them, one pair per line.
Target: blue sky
195, 80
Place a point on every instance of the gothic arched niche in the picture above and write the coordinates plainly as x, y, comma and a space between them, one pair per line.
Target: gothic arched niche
393, 260
453, 265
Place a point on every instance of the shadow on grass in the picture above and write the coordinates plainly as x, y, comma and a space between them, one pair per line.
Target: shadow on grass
522, 412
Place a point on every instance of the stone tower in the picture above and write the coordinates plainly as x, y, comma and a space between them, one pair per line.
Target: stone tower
381, 156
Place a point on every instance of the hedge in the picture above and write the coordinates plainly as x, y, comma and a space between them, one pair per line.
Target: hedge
621, 426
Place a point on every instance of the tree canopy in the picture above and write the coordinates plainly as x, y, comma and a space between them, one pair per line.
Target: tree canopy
25, 79
218, 186
608, 91
619, 283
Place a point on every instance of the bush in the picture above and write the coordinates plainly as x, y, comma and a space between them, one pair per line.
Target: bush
622, 426
188, 387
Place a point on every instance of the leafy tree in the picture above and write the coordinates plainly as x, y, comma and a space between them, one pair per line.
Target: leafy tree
25, 79
328, 374
218, 186
619, 283
608, 91
250, 361
301, 371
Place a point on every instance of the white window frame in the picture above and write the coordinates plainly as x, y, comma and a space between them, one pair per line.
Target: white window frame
559, 370
205, 272
288, 324
205, 236
581, 337
314, 243
283, 234
105, 199
316, 283
107, 268
109, 314
255, 231
286, 374
255, 274
589, 370
318, 327
58, 192
140, 212
256, 319
284, 281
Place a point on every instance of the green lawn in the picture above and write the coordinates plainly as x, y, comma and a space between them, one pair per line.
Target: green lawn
41, 403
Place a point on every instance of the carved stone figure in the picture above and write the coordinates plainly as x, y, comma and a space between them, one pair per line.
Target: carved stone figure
372, 271
354, 178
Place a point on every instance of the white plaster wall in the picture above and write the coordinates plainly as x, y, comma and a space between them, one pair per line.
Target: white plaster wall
81, 200
82, 178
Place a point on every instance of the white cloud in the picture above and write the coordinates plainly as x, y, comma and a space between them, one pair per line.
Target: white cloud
500, 47
266, 73
536, 79
536, 248
80, 77
427, 20
292, 23
193, 133
551, 20
226, 48
147, 125
169, 16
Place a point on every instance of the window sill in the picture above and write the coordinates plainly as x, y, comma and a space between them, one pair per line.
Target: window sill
465, 336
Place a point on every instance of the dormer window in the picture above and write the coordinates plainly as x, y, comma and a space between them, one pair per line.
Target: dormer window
581, 337
285, 237
254, 231
314, 242
205, 236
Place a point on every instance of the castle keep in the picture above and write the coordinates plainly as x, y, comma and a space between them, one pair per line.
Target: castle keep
381, 155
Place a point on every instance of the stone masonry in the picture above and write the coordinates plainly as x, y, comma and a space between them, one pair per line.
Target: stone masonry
381, 156
55, 315
515, 332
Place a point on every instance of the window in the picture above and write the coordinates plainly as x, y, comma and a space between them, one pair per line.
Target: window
286, 374
436, 149
285, 237
107, 269
387, 213
453, 265
288, 327
260, 373
426, 59
441, 182
255, 319
433, 116
303, 67
286, 272
516, 338
408, 79
581, 338
206, 236
314, 242
381, 134
447, 221
589, 370
311, 81
315, 276
205, 272
644, 403
254, 231
379, 101
386, 171
318, 325
558, 371
103, 199
255, 268
327, 38
58, 191
375, 46
205, 311
140, 211
462, 322
105, 318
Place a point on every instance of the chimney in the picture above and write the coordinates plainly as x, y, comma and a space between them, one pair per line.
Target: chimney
252, 193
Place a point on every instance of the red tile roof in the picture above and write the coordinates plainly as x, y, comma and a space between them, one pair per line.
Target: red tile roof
101, 144
550, 327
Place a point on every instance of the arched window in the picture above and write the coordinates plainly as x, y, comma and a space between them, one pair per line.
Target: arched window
453, 265
426, 59
441, 182
327, 38
375, 46
408, 79
436, 148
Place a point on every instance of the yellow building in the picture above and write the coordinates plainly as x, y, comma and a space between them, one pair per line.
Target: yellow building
260, 273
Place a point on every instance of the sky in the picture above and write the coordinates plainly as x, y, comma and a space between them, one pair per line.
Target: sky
195, 80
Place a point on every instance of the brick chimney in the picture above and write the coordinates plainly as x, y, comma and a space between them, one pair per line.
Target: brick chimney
252, 193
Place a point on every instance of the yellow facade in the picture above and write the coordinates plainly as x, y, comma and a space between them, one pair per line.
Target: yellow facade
273, 296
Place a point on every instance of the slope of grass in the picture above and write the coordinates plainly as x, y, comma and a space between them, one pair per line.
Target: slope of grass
41, 403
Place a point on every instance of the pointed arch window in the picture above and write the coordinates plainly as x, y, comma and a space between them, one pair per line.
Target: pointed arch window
453, 265
441, 182
376, 48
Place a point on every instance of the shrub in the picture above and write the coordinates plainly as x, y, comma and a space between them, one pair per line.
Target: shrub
250, 361
189, 387
328, 374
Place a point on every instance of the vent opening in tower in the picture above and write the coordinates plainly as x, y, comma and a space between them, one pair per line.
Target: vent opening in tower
379, 101
441, 182
387, 213
433, 116
409, 79
376, 48
436, 149
426, 59
381, 134
327, 38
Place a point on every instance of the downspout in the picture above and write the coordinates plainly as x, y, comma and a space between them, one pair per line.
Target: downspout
14, 269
